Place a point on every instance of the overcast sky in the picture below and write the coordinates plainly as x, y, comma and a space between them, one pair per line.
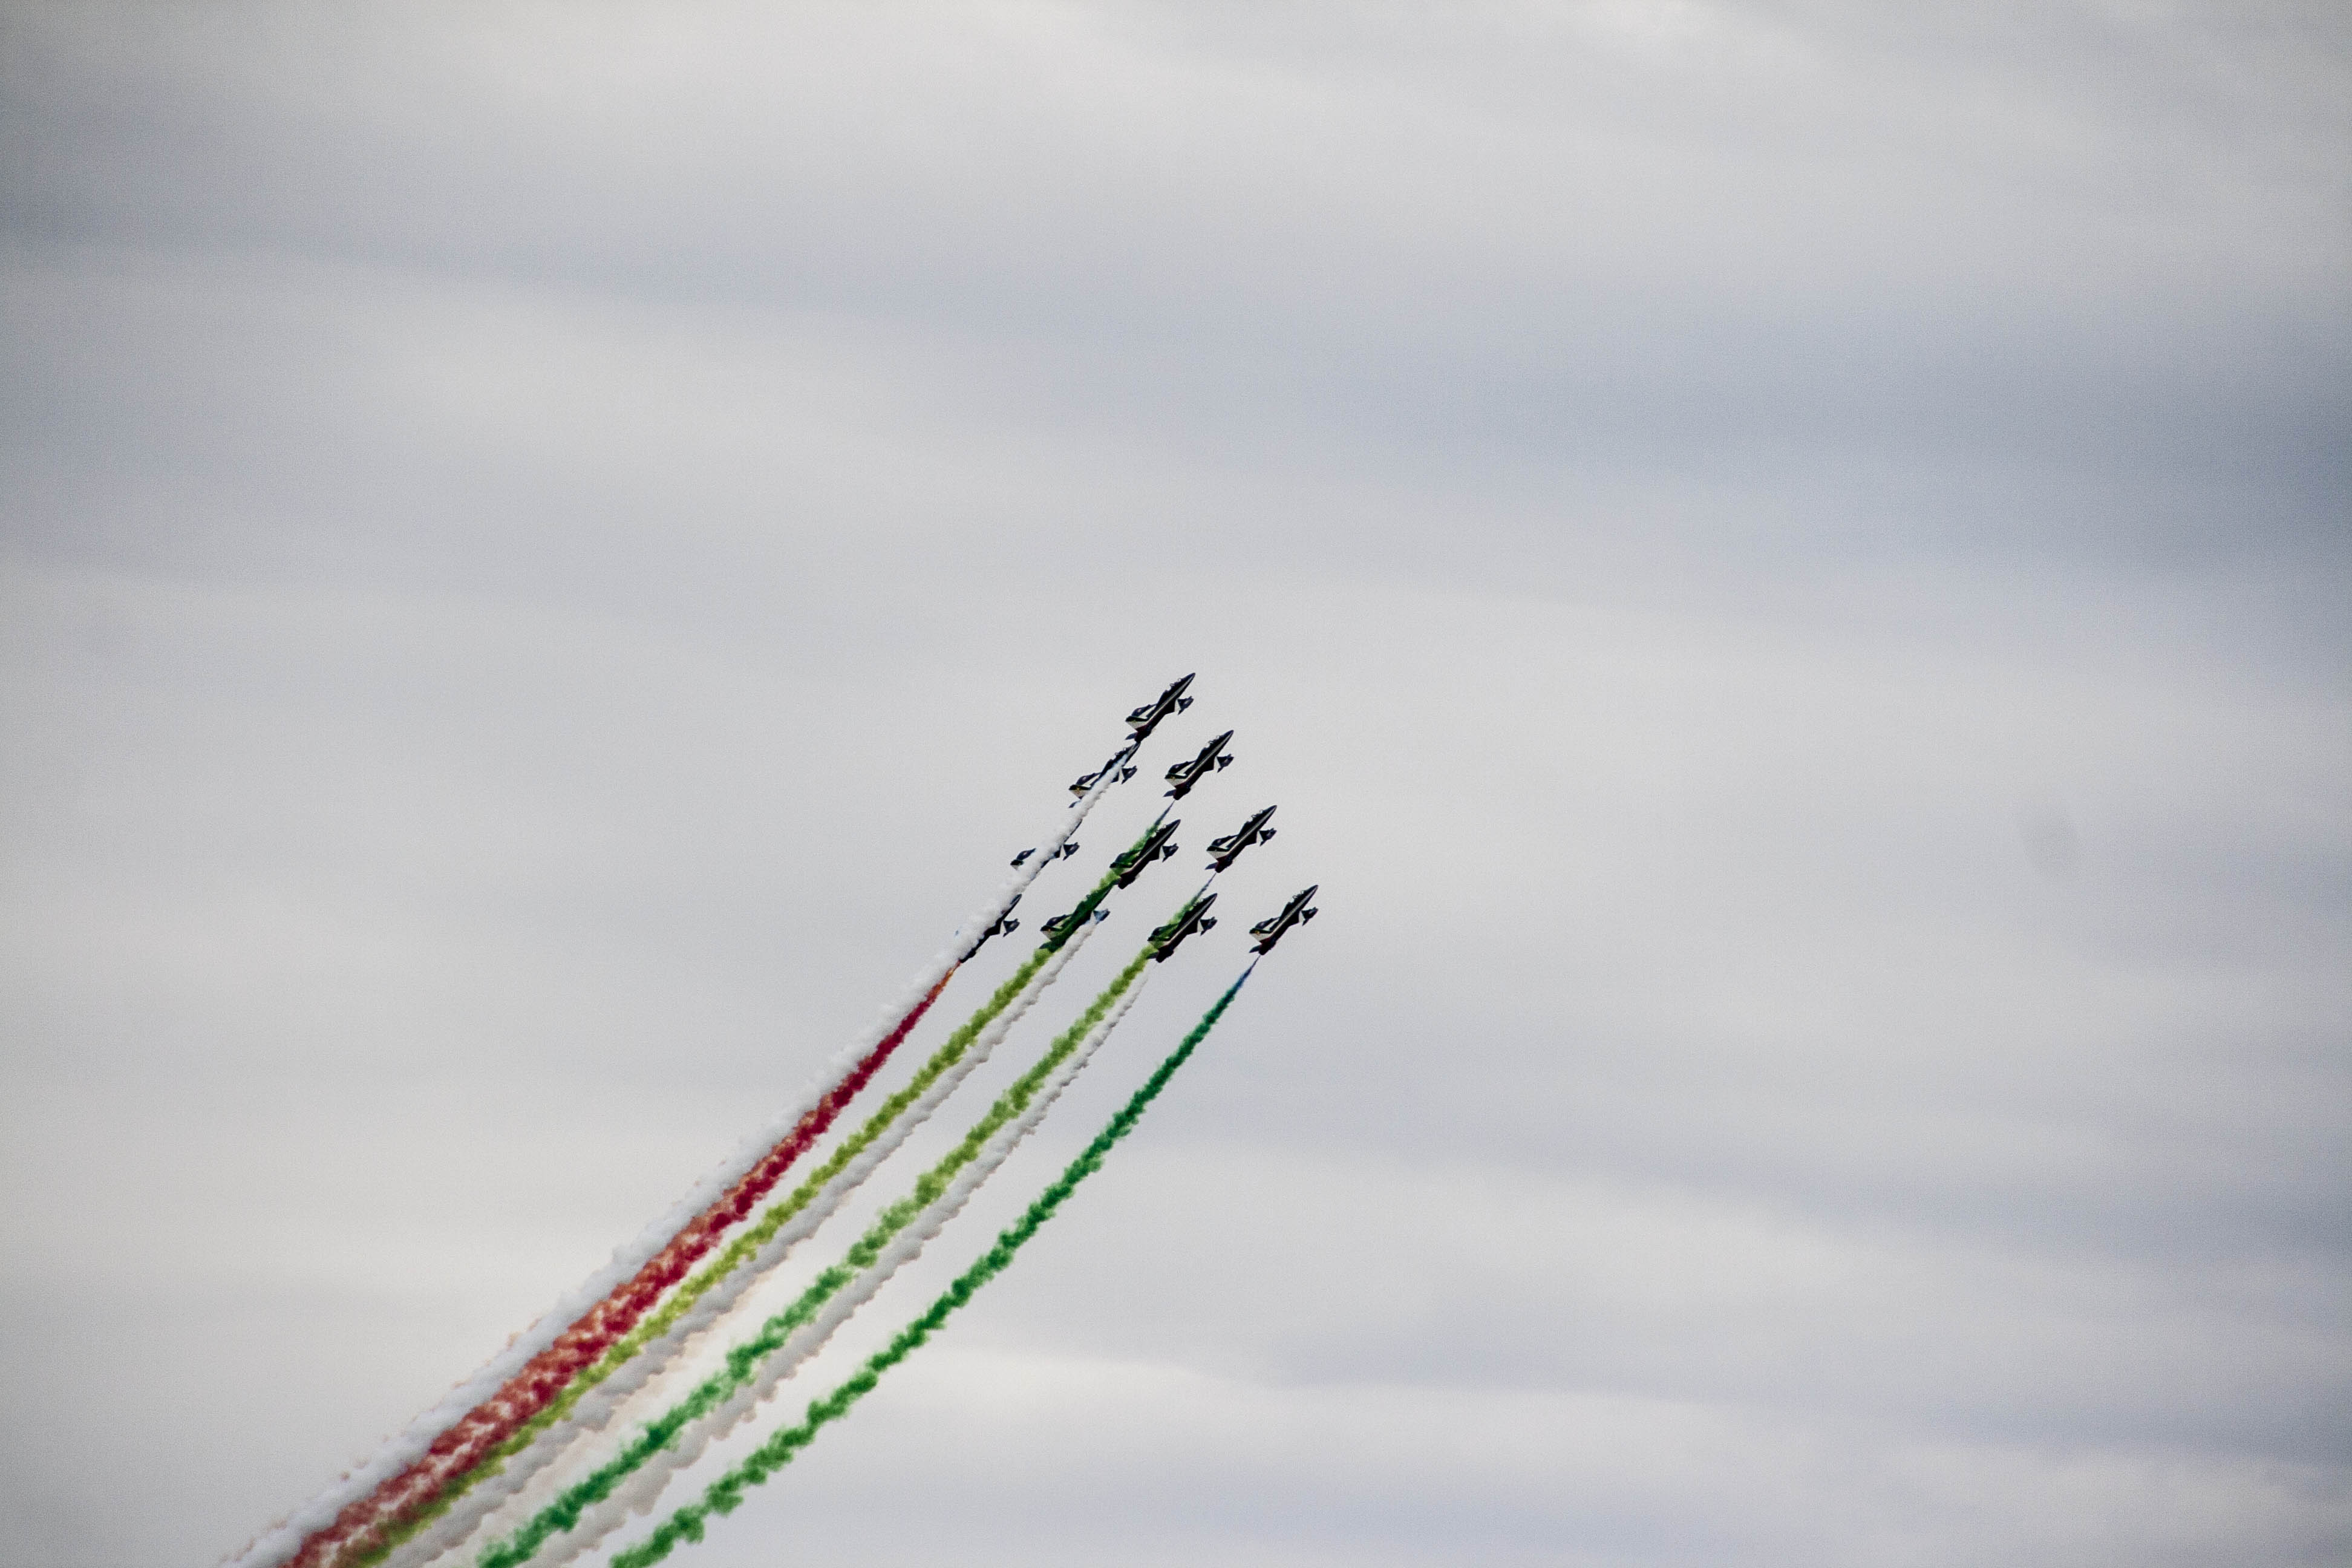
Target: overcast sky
1787, 565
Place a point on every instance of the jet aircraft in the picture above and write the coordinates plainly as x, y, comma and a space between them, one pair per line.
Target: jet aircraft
1184, 775
1086, 781
1155, 847
1192, 918
1054, 926
1146, 719
1064, 852
1295, 913
1224, 852
1005, 924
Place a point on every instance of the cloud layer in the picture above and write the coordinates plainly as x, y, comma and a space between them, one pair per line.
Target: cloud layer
1787, 565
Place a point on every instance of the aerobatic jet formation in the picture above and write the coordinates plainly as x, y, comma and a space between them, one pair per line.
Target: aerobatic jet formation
1184, 775
1224, 852
1146, 719
425, 1494
1191, 921
1269, 930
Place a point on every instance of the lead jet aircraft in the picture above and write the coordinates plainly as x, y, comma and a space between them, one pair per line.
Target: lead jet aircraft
1146, 719
1192, 918
1294, 913
1005, 924
1184, 775
1086, 781
1157, 847
1224, 852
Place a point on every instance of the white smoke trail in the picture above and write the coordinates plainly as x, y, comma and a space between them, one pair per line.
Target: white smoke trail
596, 1407
590, 1450
285, 1538
690, 1522
639, 1493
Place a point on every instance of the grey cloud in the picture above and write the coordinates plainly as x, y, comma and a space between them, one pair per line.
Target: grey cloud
1362, 237
547, 561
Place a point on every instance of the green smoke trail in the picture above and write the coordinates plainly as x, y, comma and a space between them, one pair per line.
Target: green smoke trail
747, 1242
725, 1494
747, 1245
743, 1359
1087, 905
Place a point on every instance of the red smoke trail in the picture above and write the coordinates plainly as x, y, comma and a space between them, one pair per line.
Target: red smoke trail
325, 1515
474, 1436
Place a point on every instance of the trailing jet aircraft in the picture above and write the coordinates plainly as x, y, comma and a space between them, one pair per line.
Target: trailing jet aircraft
1146, 719
1184, 775
1192, 918
1086, 781
1053, 926
1224, 852
1155, 847
1295, 913
1005, 924
1063, 853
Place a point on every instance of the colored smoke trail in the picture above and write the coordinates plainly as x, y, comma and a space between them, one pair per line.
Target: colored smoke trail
442, 1521
464, 1444
309, 1537
436, 1514
640, 1494
725, 1494
751, 1363
475, 1435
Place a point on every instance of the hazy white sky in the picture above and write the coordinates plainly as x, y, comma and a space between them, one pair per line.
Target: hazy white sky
1787, 565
